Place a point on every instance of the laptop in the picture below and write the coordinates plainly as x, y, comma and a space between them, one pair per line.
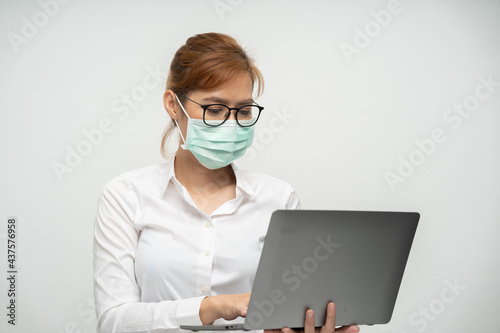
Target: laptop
311, 257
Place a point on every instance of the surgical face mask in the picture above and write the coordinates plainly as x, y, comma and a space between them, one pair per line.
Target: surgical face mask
215, 147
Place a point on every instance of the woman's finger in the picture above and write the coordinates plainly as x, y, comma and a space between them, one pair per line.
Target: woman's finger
348, 329
309, 322
329, 325
288, 330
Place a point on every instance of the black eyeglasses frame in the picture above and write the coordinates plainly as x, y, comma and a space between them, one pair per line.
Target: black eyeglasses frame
206, 106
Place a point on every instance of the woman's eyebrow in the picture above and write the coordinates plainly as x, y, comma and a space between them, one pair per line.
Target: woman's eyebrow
225, 101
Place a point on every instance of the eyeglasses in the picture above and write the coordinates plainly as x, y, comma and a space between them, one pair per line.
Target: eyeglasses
216, 114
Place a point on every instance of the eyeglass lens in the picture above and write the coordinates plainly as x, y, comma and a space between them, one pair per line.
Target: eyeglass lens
216, 114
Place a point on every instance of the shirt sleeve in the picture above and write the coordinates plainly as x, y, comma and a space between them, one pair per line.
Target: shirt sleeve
117, 296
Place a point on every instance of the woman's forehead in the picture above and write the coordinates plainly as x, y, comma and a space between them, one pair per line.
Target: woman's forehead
236, 90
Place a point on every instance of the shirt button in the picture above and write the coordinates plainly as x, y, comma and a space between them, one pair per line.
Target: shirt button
208, 224
203, 289
207, 252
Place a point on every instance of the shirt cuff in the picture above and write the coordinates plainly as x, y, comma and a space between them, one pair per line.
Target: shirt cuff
188, 311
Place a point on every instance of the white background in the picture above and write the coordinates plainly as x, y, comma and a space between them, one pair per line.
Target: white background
334, 125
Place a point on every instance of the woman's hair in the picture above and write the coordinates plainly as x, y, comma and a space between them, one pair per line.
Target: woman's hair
205, 62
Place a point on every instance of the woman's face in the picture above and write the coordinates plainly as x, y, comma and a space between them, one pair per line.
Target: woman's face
235, 93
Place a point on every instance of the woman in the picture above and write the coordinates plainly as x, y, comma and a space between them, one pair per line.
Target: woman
179, 242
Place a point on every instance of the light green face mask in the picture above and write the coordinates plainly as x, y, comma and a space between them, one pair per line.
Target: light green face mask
215, 147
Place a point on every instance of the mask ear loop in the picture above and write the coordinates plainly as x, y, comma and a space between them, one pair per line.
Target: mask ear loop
178, 127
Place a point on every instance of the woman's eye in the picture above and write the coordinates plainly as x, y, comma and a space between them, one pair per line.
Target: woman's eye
214, 110
246, 111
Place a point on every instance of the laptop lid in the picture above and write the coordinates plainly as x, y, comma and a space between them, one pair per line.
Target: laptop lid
354, 258
310, 257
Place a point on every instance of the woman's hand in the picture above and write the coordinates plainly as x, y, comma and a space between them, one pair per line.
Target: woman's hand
228, 307
329, 326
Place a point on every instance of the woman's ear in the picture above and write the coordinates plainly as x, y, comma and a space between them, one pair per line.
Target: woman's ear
169, 102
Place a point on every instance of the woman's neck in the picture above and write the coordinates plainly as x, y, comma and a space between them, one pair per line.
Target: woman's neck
198, 179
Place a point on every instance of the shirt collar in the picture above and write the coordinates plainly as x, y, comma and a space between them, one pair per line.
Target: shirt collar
167, 174
243, 186
242, 182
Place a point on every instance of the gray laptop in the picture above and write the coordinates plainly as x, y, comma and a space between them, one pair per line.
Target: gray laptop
310, 257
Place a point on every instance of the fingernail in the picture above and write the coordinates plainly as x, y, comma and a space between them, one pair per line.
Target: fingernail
309, 314
330, 306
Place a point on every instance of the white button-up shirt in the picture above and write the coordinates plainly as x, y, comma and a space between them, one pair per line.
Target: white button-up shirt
156, 255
